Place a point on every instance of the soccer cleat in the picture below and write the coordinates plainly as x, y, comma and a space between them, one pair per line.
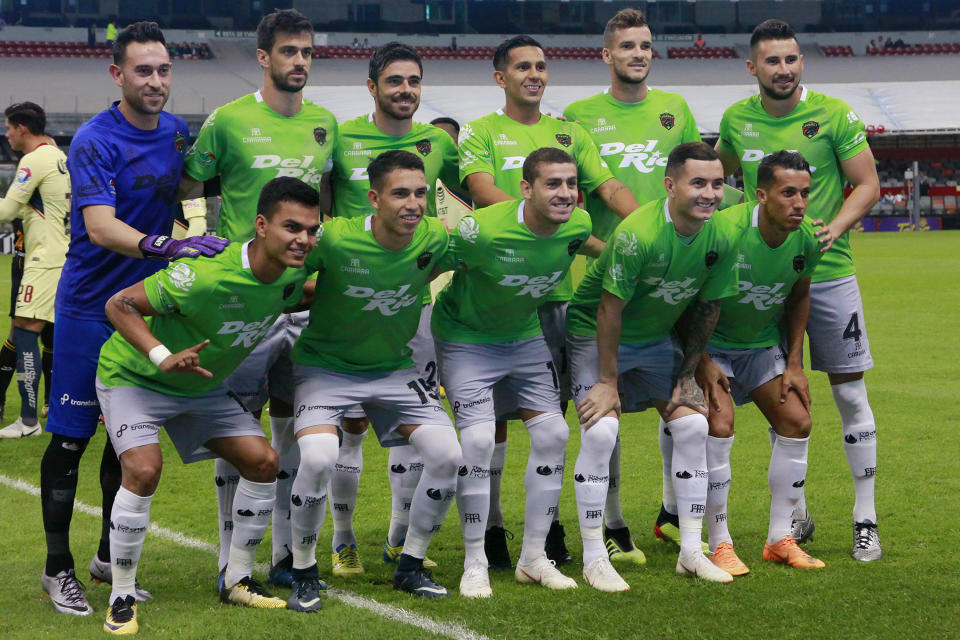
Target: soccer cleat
101, 571
391, 554
788, 552
419, 583
475, 582
44, 411
17, 429
726, 558
802, 529
66, 593
495, 548
305, 596
555, 547
601, 575
281, 574
346, 561
697, 564
220, 578
668, 529
620, 547
544, 572
866, 541
250, 593
122, 617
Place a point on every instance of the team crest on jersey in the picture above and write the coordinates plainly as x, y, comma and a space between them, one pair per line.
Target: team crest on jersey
667, 120
180, 142
424, 147
799, 262
423, 260
181, 276
469, 228
575, 244
711, 258
810, 128
564, 139
320, 135
24, 175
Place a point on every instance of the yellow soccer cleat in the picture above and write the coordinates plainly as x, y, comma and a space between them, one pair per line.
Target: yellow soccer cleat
346, 561
122, 617
250, 593
392, 554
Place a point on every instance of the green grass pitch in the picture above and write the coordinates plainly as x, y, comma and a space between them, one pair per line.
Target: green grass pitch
910, 294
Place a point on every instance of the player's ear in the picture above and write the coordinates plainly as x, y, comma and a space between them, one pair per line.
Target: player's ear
605, 54
670, 186
263, 58
117, 74
374, 198
372, 87
526, 189
499, 79
751, 66
761, 195
261, 225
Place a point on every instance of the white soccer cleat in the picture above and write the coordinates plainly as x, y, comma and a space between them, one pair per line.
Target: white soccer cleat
544, 572
475, 582
699, 565
17, 429
66, 593
601, 575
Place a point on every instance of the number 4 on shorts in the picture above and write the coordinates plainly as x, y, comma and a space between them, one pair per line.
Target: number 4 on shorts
852, 332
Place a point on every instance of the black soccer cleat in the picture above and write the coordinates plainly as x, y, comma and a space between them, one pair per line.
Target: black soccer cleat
555, 547
495, 548
419, 583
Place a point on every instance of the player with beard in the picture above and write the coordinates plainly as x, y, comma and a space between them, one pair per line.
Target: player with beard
832, 138
492, 151
394, 82
270, 133
635, 128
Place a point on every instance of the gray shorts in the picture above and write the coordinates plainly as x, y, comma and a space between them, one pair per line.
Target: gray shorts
837, 328
268, 371
553, 323
489, 381
388, 399
647, 371
133, 418
747, 369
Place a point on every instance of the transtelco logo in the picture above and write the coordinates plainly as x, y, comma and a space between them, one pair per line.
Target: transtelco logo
672, 291
761, 296
388, 302
248, 333
642, 156
292, 167
536, 287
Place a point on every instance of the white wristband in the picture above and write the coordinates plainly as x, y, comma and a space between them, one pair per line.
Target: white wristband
158, 354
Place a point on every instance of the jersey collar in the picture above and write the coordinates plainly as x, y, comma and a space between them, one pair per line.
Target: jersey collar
756, 215
259, 97
520, 211
368, 223
666, 210
244, 254
803, 93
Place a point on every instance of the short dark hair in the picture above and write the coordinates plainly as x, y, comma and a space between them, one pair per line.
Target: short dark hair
289, 21
391, 52
624, 19
772, 29
502, 54
388, 162
544, 155
28, 114
143, 31
285, 189
689, 151
789, 160
445, 120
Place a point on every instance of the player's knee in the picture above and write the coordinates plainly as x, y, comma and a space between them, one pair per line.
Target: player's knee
318, 454
720, 427
602, 436
439, 447
477, 441
143, 477
262, 466
794, 426
549, 433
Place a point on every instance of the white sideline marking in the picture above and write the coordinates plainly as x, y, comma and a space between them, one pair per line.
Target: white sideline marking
384, 610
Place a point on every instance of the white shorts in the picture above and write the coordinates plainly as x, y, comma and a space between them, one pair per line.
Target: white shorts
747, 369
485, 382
647, 371
268, 371
133, 417
389, 399
553, 323
837, 328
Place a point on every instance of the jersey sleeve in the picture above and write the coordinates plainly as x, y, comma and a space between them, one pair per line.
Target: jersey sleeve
92, 172
314, 261
625, 265
474, 152
171, 290
591, 169
463, 250
690, 131
202, 160
450, 171
812, 250
725, 142
851, 136
25, 182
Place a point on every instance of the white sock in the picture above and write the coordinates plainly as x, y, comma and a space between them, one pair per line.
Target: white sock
440, 450
544, 479
718, 488
800, 508
226, 477
289, 462
405, 469
473, 488
689, 468
344, 487
669, 501
497, 463
590, 475
318, 455
252, 508
860, 443
613, 511
786, 476
130, 519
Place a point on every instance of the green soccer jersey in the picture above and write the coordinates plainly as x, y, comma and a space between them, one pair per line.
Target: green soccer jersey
825, 131
498, 145
247, 144
216, 299
367, 303
360, 141
751, 319
634, 139
657, 272
503, 273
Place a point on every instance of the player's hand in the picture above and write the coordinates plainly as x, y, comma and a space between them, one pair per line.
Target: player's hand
602, 398
793, 379
687, 393
825, 235
186, 361
166, 248
712, 380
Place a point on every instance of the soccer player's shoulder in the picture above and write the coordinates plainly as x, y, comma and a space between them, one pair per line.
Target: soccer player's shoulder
740, 215
315, 110
580, 217
578, 108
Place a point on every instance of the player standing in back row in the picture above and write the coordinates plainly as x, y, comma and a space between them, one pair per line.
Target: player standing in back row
830, 135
